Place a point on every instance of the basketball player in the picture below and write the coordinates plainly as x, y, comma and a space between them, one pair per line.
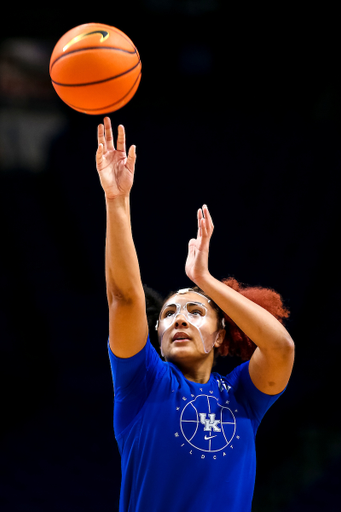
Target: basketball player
186, 435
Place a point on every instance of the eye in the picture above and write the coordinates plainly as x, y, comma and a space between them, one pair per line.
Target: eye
168, 312
196, 309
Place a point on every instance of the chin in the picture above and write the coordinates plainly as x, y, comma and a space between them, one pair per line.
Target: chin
182, 353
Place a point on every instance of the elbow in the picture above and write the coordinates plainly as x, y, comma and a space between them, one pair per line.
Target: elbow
283, 341
286, 347
281, 347
127, 298
289, 344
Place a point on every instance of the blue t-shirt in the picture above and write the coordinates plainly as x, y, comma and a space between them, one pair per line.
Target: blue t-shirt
185, 446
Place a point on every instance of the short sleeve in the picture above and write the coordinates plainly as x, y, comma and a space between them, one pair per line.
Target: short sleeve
133, 379
255, 401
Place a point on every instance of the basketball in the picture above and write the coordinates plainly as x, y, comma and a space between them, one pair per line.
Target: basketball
95, 68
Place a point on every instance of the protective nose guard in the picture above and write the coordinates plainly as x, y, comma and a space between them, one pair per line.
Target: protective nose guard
194, 312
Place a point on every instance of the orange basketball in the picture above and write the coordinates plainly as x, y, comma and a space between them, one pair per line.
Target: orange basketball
95, 68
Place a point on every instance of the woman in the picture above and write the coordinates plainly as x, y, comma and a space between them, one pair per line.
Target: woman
186, 434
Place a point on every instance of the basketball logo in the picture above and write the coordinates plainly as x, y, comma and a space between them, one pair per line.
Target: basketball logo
104, 36
207, 425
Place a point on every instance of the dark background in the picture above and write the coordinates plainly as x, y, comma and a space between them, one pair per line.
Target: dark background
238, 108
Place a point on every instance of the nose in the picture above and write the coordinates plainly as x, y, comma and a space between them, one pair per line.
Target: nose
181, 320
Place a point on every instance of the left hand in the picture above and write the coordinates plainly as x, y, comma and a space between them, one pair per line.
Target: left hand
197, 259
115, 167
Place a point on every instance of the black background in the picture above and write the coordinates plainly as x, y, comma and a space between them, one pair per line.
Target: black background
238, 108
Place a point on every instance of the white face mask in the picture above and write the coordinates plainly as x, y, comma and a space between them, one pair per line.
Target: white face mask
194, 312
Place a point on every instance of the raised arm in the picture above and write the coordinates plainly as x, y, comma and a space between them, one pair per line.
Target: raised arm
271, 364
128, 328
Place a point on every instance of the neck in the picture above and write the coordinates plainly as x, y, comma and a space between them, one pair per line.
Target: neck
198, 371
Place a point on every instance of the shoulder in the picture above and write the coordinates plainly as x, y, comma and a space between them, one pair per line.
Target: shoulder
146, 364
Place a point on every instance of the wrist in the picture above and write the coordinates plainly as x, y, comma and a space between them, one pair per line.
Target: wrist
203, 279
118, 206
117, 200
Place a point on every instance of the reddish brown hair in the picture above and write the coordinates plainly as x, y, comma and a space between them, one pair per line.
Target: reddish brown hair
236, 343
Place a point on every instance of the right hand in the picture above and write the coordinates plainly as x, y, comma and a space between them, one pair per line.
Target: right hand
196, 267
115, 168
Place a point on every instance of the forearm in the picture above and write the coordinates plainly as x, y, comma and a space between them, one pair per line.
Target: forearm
121, 264
256, 322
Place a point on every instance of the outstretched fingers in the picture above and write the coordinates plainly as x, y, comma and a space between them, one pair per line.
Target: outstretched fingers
101, 136
205, 227
131, 159
101, 146
208, 223
99, 154
200, 217
121, 139
109, 138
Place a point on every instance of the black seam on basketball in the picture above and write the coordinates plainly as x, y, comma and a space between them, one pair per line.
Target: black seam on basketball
92, 48
98, 81
106, 106
122, 34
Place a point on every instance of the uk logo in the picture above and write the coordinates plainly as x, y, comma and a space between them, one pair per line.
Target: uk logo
210, 423
207, 425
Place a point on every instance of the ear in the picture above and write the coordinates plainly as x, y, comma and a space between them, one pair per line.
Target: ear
220, 338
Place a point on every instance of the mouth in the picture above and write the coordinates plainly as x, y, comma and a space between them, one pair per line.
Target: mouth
181, 337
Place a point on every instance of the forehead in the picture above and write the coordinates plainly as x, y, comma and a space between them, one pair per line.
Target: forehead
182, 298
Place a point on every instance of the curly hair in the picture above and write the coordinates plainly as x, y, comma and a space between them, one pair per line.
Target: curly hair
236, 342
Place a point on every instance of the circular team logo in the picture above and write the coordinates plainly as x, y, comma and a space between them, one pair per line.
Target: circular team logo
207, 425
